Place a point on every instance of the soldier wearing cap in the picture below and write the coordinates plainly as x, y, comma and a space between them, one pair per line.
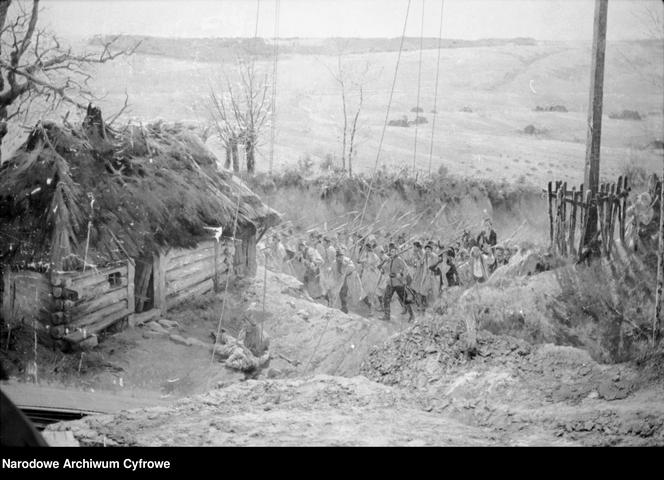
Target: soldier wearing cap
327, 278
343, 268
370, 275
396, 271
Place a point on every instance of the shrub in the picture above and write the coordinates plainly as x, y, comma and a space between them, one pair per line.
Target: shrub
329, 163
626, 115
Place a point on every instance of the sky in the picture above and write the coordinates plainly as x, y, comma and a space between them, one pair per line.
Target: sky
463, 19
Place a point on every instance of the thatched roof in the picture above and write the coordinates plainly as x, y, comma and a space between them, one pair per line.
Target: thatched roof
153, 187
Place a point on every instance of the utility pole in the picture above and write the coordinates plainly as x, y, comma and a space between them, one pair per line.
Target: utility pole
593, 141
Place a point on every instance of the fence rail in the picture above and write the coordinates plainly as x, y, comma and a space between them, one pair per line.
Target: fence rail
568, 215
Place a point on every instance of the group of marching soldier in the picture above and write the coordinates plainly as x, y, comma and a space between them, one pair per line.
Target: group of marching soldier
344, 268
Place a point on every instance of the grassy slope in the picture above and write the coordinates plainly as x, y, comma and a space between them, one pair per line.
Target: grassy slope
493, 81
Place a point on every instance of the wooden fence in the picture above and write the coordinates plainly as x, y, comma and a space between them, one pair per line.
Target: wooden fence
568, 215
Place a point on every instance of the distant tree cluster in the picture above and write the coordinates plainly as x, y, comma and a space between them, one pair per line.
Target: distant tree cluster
240, 111
551, 108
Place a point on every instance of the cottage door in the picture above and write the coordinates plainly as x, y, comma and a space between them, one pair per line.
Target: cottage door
144, 285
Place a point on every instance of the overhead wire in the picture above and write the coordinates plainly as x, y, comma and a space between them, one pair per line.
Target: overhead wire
273, 105
435, 94
387, 114
419, 87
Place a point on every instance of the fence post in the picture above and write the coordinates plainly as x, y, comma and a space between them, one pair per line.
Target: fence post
584, 226
624, 209
564, 223
550, 199
572, 224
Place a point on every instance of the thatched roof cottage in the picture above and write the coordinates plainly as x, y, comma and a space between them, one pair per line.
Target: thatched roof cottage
98, 225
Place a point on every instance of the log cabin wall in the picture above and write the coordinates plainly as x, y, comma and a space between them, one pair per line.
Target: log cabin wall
27, 297
84, 303
183, 273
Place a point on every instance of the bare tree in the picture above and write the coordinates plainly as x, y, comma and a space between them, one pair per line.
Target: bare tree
351, 83
36, 70
224, 121
240, 113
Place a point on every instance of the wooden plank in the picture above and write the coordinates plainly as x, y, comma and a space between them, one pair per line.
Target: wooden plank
216, 267
96, 327
252, 263
92, 292
143, 317
582, 211
623, 210
199, 289
183, 261
584, 225
558, 221
159, 264
563, 223
184, 283
87, 277
141, 282
28, 298
100, 314
205, 265
203, 248
601, 204
572, 224
91, 306
92, 280
131, 270
612, 213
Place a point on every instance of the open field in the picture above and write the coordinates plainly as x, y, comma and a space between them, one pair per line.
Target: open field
502, 85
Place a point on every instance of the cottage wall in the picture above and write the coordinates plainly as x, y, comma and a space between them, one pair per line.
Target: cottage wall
27, 297
191, 272
69, 305
87, 302
74, 305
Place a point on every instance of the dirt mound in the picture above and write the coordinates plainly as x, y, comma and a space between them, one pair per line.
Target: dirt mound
519, 390
436, 359
322, 410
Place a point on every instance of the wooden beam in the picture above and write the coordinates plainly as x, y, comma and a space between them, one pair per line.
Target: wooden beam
159, 263
131, 269
7, 309
595, 104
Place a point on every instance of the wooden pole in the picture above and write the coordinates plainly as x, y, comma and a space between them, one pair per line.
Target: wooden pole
550, 199
593, 142
660, 269
572, 223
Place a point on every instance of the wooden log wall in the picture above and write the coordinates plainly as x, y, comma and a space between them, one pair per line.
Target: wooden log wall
568, 214
183, 273
84, 303
27, 297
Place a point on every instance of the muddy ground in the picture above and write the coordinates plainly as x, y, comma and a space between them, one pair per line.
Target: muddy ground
337, 379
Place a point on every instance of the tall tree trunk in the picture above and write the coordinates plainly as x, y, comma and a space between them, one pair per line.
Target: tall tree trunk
3, 127
249, 149
235, 156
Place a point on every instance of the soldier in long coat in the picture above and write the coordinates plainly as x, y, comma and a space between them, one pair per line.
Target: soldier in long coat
342, 269
371, 275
